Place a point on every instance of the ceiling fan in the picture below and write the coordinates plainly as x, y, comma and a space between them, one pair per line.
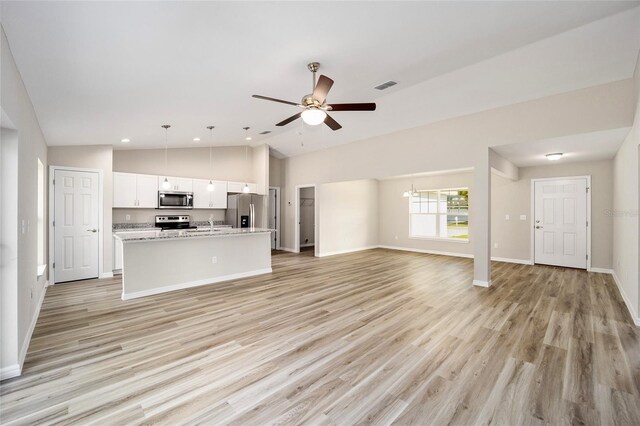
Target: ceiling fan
315, 105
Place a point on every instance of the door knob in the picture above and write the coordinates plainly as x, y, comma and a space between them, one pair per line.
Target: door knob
538, 227
92, 230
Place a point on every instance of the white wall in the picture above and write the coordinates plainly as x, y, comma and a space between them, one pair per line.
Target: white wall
28, 290
347, 216
93, 157
625, 214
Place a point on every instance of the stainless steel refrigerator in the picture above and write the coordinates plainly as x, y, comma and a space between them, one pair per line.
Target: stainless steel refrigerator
245, 211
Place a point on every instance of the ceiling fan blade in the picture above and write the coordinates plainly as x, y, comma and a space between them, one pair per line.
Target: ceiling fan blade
333, 124
266, 98
322, 88
289, 120
353, 107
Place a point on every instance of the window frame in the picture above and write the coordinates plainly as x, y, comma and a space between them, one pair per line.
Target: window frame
437, 215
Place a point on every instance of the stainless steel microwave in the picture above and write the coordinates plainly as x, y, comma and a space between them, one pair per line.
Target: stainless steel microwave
175, 200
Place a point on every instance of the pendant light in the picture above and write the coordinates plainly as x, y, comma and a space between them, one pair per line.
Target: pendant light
412, 193
245, 189
166, 184
210, 186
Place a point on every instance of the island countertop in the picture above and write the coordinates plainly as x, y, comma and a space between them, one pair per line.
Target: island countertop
130, 236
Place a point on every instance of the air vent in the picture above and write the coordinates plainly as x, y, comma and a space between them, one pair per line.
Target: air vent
266, 132
386, 85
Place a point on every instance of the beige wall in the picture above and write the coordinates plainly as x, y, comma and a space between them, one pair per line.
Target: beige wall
276, 178
98, 157
513, 236
626, 207
347, 216
230, 163
394, 212
460, 142
20, 296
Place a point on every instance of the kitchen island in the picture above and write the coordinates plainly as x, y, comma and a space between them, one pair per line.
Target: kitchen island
156, 262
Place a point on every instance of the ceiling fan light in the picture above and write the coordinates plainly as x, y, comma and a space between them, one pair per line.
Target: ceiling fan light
313, 116
210, 186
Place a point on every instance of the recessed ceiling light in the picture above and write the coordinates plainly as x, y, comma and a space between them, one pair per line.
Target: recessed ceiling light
196, 139
125, 140
554, 156
248, 138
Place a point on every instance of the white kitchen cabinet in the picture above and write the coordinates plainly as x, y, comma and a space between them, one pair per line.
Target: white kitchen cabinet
237, 187
176, 184
132, 190
124, 190
147, 191
205, 199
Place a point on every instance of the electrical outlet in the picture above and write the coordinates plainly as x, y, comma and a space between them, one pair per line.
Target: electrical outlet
523, 217
127, 217
396, 238
214, 260
495, 245
507, 217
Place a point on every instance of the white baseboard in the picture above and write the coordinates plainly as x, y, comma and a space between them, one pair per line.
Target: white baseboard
601, 270
106, 275
627, 301
509, 260
290, 250
415, 250
10, 371
480, 283
22, 354
196, 283
333, 253
307, 245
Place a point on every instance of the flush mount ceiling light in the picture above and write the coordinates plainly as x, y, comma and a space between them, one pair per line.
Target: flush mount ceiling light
196, 139
210, 186
125, 140
313, 116
166, 184
554, 156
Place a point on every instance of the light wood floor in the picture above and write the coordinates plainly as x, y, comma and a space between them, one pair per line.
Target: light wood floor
375, 337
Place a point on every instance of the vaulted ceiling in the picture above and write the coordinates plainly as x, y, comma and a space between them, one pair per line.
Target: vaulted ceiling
98, 72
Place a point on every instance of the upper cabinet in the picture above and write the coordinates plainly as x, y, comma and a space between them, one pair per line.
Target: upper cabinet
238, 187
134, 190
176, 184
205, 199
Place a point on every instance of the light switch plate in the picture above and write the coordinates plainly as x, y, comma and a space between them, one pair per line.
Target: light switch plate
506, 217
523, 217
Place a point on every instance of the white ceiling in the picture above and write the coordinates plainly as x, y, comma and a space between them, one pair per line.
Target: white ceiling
98, 72
592, 146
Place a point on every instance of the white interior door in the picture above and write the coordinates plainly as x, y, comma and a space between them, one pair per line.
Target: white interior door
272, 218
76, 225
560, 222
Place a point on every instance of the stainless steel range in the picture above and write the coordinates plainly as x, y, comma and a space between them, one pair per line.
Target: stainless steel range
174, 222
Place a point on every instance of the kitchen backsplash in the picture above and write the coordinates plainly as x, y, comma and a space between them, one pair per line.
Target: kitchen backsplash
148, 216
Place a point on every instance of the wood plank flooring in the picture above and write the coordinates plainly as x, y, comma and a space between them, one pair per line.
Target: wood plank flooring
376, 337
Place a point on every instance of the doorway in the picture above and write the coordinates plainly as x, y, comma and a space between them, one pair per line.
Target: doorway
76, 224
561, 212
306, 235
273, 221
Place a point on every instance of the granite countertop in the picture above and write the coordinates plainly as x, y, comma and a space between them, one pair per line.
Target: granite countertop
190, 233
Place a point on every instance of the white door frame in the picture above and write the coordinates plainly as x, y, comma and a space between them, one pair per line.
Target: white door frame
101, 230
278, 203
532, 216
296, 242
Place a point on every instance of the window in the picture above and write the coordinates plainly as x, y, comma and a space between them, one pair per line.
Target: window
440, 213
41, 251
